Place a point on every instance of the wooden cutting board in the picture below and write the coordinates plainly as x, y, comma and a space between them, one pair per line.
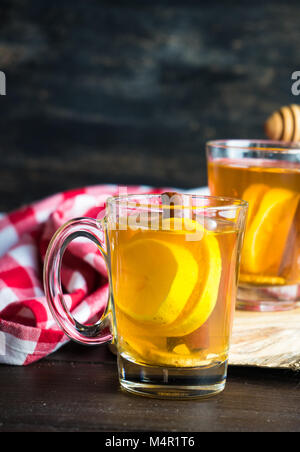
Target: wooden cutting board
266, 339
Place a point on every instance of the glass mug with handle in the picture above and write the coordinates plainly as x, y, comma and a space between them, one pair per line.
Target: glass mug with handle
266, 174
172, 262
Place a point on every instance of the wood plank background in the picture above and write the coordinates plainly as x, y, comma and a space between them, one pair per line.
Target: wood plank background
129, 92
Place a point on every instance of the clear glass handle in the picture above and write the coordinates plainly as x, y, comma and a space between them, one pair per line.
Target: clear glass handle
99, 332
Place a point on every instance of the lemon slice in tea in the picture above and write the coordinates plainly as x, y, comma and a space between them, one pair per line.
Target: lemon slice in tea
158, 278
205, 294
253, 195
156, 355
267, 234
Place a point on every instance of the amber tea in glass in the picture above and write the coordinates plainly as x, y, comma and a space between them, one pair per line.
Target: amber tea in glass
267, 175
173, 270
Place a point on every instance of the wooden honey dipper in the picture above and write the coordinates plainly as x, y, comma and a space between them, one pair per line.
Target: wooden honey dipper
284, 124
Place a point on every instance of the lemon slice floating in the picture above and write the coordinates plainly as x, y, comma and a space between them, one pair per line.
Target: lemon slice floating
268, 231
166, 284
253, 195
157, 280
205, 295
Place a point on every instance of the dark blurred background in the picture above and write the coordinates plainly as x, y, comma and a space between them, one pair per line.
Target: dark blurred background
129, 91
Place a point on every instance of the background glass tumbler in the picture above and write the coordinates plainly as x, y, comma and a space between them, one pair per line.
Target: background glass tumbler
267, 175
173, 264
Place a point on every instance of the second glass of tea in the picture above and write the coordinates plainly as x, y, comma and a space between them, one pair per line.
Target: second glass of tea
266, 174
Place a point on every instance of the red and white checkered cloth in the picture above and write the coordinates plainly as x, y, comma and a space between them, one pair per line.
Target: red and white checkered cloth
27, 329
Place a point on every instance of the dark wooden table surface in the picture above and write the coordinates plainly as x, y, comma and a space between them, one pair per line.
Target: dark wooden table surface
77, 389
102, 92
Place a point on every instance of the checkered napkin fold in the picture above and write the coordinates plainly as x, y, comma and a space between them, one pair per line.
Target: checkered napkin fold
27, 329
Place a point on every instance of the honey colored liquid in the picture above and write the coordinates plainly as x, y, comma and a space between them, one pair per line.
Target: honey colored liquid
271, 252
174, 298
